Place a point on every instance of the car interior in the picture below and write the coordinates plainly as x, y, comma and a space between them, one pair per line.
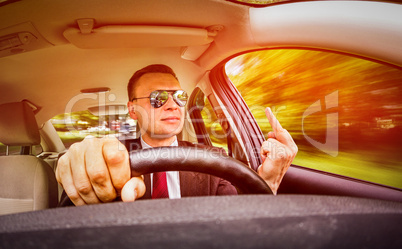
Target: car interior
60, 57
28, 183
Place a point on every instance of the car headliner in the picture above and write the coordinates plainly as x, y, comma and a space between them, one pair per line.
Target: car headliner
52, 76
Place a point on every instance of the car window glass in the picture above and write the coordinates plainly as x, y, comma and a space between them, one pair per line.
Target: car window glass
344, 113
74, 127
215, 131
212, 125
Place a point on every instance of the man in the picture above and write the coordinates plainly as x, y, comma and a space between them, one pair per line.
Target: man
97, 170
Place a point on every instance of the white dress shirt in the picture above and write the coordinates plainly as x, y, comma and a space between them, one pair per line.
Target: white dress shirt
172, 177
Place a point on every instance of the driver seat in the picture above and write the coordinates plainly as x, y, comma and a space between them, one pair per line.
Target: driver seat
27, 183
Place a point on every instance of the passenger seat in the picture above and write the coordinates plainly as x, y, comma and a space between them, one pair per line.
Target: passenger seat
27, 183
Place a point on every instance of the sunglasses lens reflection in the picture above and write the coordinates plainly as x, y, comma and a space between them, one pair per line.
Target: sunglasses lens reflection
159, 98
180, 97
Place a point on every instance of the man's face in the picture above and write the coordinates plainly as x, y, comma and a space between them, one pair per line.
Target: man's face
157, 123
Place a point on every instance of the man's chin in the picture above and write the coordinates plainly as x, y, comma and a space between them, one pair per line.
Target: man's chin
165, 131
164, 134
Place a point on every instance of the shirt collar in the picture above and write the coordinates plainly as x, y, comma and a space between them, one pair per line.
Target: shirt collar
144, 145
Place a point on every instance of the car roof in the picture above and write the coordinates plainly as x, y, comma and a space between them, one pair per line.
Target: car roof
52, 75
60, 61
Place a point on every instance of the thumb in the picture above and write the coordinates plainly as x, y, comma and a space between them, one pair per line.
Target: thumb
133, 189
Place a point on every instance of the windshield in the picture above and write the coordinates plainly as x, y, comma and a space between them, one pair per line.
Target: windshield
75, 126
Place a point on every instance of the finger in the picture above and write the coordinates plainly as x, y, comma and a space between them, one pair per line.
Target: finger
267, 149
79, 173
98, 171
290, 142
276, 126
128, 193
117, 161
133, 189
273, 149
276, 164
285, 138
65, 179
263, 156
281, 134
264, 151
271, 135
276, 151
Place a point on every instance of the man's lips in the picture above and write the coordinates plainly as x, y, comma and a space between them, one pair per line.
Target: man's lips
170, 119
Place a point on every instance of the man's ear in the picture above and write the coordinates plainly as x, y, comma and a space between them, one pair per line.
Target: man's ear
131, 110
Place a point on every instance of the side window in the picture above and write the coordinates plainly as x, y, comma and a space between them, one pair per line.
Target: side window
214, 128
74, 127
344, 113
207, 124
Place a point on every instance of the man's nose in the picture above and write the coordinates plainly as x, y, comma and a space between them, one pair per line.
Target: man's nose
170, 104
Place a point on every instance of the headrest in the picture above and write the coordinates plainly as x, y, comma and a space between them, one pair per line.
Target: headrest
18, 125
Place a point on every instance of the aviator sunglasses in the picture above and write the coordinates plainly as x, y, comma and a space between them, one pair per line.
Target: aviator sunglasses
159, 97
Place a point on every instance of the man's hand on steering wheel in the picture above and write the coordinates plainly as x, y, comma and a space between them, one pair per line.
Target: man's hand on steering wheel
97, 170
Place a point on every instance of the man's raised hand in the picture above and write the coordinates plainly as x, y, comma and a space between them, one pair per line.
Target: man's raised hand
277, 153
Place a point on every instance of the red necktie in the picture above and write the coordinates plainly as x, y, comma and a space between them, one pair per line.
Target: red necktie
159, 183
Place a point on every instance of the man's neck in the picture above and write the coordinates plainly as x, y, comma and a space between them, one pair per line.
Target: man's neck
158, 142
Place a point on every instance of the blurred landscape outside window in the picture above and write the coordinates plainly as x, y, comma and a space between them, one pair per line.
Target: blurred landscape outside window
344, 113
74, 127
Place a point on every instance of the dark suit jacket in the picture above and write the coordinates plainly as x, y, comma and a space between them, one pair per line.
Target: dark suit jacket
191, 183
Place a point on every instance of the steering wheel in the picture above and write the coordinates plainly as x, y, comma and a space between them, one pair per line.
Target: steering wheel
200, 160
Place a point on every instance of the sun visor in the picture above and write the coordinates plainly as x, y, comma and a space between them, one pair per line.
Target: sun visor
137, 36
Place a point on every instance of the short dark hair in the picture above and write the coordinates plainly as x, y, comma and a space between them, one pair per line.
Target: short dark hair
154, 68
